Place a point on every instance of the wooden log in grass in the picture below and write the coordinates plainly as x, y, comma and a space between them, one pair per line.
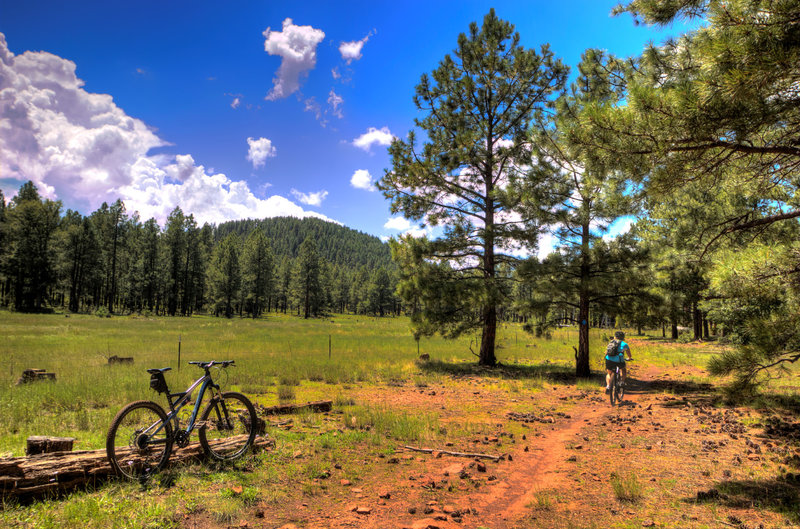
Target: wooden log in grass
55, 472
284, 409
42, 444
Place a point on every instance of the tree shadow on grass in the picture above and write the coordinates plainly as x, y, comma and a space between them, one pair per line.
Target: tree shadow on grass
551, 372
778, 495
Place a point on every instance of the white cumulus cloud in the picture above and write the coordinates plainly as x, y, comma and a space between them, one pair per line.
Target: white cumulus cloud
361, 179
397, 223
80, 147
403, 225
297, 48
235, 103
351, 51
311, 199
381, 136
259, 150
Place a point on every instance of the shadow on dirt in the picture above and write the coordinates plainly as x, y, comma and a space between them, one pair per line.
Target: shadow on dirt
778, 495
546, 371
676, 387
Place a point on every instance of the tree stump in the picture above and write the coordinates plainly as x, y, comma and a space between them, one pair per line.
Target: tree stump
120, 359
33, 375
42, 444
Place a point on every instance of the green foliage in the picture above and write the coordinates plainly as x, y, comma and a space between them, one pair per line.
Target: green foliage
306, 280
477, 107
773, 345
257, 264
225, 276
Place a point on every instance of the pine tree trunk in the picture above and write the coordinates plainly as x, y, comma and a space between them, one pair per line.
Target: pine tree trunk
582, 368
697, 323
486, 357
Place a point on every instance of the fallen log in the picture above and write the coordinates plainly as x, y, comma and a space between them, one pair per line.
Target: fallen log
42, 474
457, 454
283, 409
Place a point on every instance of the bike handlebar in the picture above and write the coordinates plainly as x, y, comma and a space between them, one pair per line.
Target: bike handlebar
206, 365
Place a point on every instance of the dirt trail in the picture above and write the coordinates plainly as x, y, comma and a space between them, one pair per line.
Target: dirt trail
544, 466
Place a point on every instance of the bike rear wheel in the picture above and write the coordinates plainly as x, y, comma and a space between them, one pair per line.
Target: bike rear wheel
133, 450
620, 388
612, 395
228, 426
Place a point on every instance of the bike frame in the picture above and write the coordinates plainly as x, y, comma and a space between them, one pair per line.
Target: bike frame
182, 399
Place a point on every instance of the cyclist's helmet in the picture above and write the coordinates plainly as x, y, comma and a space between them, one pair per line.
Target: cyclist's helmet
619, 335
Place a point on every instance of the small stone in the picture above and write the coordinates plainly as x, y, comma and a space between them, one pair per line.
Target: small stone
481, 466
412, 510
345, 482
572, 459
363, 510
385, 494
298, 454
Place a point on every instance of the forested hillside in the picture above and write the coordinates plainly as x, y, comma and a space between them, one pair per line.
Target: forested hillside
337, 244
112, 262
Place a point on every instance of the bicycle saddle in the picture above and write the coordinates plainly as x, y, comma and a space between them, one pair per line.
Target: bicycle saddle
156, 370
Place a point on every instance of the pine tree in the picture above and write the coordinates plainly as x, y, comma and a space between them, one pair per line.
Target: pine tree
587, 194
31, 224
306, 279
257, 267
225, 276
175, 240
477, 108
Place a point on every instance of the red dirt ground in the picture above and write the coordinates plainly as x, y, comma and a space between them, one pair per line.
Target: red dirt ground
685, 461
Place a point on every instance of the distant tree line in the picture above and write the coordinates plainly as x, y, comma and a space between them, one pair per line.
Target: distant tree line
113, 263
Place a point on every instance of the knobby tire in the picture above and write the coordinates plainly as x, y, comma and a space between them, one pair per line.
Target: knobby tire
224, 419
128, 453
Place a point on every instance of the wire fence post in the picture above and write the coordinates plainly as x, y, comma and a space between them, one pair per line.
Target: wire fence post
179, 352
329, 347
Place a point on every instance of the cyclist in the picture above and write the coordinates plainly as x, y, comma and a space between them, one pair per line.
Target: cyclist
617, 360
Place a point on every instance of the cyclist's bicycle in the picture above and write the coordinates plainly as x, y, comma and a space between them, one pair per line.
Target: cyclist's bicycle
617, 385
141, 436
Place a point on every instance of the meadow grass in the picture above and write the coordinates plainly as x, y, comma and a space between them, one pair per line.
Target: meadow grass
274, 355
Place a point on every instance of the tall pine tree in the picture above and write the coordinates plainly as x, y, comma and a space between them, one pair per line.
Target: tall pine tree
478, 106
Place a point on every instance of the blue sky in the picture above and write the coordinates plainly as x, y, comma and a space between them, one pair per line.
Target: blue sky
196, 104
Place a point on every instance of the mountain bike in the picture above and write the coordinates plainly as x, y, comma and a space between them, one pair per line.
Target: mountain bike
617, 385
141, 436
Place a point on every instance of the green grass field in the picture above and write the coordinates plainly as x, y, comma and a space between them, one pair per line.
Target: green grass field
272, 355
278, 358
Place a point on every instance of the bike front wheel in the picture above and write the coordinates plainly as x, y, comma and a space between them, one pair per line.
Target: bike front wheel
228, 426
139, 440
